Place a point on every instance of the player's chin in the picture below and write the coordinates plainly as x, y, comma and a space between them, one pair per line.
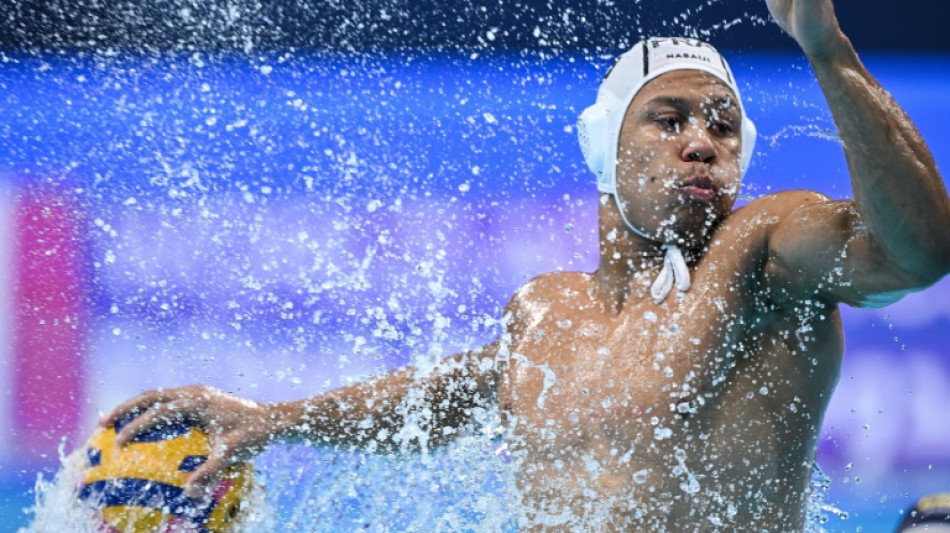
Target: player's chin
708, 211
693, 224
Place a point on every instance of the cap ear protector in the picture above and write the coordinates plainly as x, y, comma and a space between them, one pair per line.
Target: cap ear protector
598, 127
592, 128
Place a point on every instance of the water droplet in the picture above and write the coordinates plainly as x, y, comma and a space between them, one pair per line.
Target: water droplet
640, 477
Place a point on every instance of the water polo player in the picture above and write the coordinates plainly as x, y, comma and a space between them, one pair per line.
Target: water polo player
681, 386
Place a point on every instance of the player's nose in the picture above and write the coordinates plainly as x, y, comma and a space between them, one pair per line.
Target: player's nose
699, 147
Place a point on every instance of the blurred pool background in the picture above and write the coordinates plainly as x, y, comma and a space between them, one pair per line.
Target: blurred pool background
278, 221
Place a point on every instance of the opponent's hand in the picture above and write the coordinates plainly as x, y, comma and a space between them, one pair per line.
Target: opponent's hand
237, 428
812, 23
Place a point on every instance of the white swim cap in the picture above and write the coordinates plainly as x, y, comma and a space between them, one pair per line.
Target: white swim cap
598, 127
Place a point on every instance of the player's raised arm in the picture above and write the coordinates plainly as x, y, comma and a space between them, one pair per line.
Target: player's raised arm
893, 237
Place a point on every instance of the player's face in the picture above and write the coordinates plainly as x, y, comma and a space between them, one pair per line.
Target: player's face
678, 169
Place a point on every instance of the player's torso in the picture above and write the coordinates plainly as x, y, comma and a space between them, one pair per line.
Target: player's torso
671, 417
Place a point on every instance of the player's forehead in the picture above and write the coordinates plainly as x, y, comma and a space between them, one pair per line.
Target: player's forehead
690, 87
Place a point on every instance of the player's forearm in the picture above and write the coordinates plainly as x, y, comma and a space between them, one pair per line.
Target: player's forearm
354, 416
898, 190
399, 410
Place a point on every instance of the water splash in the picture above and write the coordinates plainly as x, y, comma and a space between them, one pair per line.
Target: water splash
57, 499
465, 487
818, 510
807, 130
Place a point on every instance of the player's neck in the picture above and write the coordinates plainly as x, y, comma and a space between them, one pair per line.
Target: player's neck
628, 264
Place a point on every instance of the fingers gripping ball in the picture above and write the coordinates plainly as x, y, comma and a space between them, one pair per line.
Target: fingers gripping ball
138, 487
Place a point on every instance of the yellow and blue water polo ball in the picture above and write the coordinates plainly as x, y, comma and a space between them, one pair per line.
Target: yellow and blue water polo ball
931, 513
138, 488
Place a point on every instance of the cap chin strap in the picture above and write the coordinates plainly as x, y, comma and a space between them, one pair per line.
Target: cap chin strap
674, 265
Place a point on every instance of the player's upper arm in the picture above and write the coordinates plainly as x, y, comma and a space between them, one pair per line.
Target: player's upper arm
471, 377
820, 248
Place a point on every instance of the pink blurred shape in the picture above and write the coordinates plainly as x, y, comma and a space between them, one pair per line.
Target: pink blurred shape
49, 321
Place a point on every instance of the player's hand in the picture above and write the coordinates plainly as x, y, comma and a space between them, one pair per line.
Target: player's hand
812, 23
237, 428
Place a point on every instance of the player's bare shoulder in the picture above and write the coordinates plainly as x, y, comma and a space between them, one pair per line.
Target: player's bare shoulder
746, 233
766, 212
548, 300
740, 253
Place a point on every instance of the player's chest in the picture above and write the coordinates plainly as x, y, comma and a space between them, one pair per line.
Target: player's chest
609, 371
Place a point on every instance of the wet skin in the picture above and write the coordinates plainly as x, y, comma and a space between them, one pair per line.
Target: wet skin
728, 383
678, 157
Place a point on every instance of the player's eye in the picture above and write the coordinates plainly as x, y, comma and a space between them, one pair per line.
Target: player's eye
671, 123
721, 127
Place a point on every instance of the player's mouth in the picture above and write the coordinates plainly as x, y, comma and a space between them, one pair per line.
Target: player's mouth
700, 188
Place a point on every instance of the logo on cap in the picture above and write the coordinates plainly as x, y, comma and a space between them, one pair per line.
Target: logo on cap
689, 56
